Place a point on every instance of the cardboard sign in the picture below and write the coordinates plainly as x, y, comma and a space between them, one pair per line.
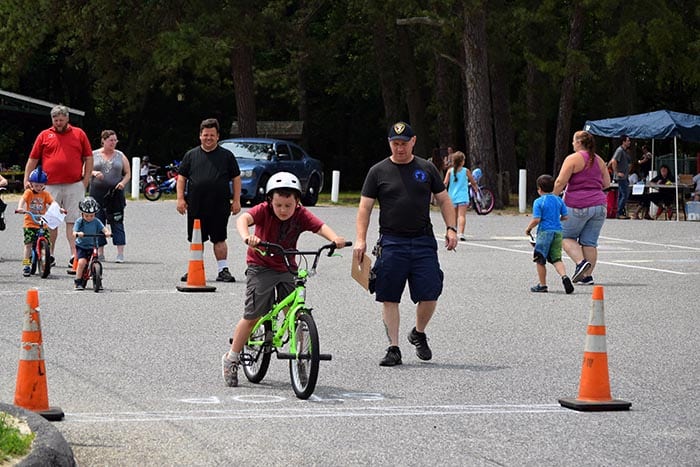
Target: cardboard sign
360, 271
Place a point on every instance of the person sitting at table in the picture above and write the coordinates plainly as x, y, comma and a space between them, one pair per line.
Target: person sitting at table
635, 178
663, 198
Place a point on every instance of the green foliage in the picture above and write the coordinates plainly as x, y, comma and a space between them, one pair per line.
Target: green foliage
152, 70
12, 442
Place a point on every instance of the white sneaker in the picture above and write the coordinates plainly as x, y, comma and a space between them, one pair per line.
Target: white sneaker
120, 259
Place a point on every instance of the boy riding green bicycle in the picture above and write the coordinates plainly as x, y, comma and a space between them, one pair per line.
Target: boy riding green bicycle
281, 220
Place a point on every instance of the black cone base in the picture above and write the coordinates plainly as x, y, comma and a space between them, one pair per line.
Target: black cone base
592, 406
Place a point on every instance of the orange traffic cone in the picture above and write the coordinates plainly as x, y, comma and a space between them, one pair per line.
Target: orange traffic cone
74, 269
594, 389
196, 282
31, 391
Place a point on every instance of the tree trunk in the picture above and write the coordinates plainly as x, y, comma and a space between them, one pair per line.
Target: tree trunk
505, 135
243, 84
390, 95
444, 99
409, 79
480, 118
566, 98
536, 131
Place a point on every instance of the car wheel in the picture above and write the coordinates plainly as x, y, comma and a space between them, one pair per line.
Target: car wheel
260, 192
311, 196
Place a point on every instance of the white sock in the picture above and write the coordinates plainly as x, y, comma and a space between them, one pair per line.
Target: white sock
222, 263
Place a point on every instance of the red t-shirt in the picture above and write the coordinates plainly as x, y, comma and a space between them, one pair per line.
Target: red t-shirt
61, 155
270, 228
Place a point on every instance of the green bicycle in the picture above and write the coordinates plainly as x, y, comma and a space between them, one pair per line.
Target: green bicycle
288, 322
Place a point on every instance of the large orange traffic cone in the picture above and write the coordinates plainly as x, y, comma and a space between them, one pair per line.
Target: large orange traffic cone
31, 391
196, 282
594, 389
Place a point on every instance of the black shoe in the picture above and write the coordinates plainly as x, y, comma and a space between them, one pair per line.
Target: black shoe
2, 222
392, 357
184, 277
568, 286
539, 288
582, 270
225, 276
52, 261
70, 262
420, 340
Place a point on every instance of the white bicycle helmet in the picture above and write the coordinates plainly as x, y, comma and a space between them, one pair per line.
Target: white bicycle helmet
89, 205
283, 180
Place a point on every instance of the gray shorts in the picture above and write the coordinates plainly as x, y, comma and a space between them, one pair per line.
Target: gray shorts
263, 286
68, 195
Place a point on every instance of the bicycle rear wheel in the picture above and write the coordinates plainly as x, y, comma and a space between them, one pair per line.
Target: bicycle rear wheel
487, 201
96, 273
257, 361
44, 259
303, 370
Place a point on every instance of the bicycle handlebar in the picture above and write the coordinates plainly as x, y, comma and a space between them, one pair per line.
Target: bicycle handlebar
38, 218
331, 247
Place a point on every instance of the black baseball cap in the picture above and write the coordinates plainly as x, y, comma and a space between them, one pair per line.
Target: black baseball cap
400, 130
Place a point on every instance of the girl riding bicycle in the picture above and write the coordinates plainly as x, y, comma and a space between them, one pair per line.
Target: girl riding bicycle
280, 219
35, 200
88, 224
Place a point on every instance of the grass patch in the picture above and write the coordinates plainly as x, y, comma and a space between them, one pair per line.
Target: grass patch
12, 442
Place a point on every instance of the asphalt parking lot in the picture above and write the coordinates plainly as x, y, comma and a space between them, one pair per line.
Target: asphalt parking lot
136, 368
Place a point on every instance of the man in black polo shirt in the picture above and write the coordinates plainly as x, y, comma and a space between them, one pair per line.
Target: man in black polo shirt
209, 174
406, 250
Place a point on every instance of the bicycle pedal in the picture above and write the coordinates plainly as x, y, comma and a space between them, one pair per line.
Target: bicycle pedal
246, 359
325, 356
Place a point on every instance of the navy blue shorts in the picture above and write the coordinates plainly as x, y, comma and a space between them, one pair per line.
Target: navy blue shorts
412, 260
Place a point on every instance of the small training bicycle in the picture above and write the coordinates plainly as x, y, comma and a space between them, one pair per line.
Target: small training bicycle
295, 326
93, 269
482, 201
41, 248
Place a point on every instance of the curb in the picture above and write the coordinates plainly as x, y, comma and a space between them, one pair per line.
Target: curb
49, 446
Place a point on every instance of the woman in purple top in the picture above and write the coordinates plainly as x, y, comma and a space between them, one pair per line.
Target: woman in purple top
584, 176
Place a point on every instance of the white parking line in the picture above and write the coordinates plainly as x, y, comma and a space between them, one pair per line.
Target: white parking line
618, 264
313, 412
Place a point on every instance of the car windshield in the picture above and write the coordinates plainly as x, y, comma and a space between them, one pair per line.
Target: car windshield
249, 150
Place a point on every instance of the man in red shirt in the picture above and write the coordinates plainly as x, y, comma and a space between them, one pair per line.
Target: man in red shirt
64, 153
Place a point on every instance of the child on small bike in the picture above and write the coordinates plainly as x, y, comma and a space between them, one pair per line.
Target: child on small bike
280, 219
547, 213
88, 224
37, 201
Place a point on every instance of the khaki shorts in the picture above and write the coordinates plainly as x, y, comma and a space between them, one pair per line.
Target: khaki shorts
68, 195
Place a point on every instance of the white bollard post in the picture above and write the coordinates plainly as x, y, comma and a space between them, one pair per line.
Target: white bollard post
522, 191
135, 177
335, 186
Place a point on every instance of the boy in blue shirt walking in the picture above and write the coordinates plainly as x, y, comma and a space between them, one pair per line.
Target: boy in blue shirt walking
547, 213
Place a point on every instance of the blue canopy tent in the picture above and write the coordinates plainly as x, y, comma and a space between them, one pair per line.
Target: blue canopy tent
662, 124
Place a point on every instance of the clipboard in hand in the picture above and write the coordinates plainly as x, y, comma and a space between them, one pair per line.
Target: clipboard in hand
360, 271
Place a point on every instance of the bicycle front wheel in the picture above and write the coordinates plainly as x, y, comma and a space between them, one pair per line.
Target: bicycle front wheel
96, 273
152, 192
303, 370
44, 259
487, 201
255, 366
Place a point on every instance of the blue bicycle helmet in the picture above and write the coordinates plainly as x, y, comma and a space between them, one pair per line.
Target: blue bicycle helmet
38, 176
476, 173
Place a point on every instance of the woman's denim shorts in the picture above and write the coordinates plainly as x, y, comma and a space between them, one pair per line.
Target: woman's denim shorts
584, 224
